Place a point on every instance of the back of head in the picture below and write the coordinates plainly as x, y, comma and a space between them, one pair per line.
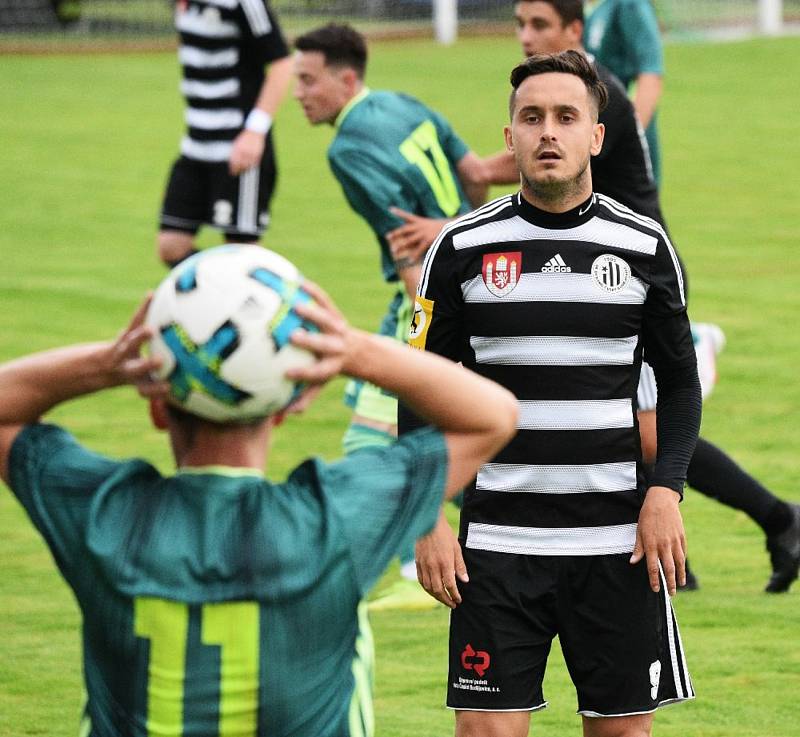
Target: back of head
565, 62
222, 322
339, 43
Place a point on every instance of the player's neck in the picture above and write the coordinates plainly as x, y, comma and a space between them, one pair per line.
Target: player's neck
564, 201
234, 447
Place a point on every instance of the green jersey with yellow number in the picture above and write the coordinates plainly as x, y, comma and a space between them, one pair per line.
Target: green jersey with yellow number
216, 603
391, 150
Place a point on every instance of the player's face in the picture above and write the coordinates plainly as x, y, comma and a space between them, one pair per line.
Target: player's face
321, 90
540, 29
553, 132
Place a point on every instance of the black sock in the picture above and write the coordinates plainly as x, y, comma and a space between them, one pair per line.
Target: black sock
715, 474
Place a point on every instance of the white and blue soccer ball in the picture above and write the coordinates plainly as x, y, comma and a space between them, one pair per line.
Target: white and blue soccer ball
222, 321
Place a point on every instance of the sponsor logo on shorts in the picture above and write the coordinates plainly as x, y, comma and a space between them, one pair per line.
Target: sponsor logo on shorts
611, 273
501, 272
223, 212
420, 322
655, 678
478, 661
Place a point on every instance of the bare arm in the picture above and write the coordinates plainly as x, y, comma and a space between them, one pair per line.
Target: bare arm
472, 173
433, 387
248, 148
645, 99
31, 386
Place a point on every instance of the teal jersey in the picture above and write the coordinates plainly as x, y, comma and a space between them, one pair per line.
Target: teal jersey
391, 150
225, 605
623, 35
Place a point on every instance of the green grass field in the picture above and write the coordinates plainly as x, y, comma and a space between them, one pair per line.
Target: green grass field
86, 146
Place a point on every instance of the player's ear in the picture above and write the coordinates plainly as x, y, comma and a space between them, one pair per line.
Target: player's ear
598, 134
158, 413
509, 138
574, 33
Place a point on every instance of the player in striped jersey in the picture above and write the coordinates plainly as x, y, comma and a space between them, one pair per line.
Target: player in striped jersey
215, 602
226, 172
557, 293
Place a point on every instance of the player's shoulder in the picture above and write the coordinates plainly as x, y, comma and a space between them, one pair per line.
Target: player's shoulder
613, 211
494, 211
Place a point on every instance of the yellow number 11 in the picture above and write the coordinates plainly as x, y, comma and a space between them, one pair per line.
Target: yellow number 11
234, 627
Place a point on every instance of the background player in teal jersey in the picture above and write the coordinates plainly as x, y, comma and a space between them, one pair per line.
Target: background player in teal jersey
624, 36
215, 602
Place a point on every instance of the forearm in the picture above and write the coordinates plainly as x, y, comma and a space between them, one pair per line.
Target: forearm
645, 99
501, 168
461, 402
275, 86
31, 386
678, 415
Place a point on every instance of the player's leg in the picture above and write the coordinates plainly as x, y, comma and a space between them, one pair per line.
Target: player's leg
240, 206
621, 643
500, 637
182, 212
639, 725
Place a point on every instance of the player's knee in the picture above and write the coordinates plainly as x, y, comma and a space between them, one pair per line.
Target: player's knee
492, 724
174, 246
634, 726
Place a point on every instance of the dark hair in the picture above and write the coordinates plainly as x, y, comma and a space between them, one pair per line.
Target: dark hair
566, 62
340, 44
568, 10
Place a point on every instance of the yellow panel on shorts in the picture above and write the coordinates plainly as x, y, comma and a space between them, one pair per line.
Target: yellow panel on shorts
420, 322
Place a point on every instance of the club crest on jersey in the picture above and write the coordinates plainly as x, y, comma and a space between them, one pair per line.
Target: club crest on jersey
501, 272
611, 273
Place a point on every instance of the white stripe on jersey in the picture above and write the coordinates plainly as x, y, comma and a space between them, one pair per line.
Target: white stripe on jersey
193, 56
574, 414
603, 540
599, 477
596, 230
625, 212
487, 210
555, 350
536, 287
200, 24
257, 17
210, 151
210, 90
214, 119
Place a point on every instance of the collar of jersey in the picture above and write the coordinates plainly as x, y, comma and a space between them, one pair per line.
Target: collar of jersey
232, 471
350, 105
569, 219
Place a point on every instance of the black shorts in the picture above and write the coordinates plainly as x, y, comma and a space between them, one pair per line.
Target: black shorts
620, 640
200, 193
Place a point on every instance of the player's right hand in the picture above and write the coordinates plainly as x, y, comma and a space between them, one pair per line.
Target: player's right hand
440, 564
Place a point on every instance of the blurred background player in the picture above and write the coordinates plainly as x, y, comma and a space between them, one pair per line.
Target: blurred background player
226, 172
389, 149
624, 36
621, 171
214, 601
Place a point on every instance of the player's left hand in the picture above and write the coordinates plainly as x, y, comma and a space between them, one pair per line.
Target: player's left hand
248, 148
660, 538
410, 242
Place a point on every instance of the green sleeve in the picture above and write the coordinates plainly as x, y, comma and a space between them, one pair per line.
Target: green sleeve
55, 478
387, 497
642, 36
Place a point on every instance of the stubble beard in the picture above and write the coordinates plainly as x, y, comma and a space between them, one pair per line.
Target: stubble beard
557, 190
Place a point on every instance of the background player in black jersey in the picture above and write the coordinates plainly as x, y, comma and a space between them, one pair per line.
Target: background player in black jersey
226, 172
557, 292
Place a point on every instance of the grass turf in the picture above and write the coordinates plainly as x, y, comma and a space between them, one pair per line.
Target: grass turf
87, 143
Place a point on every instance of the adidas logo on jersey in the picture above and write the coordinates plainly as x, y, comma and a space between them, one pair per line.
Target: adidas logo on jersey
556, 265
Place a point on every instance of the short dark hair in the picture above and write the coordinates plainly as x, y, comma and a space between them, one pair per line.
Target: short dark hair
340, 44
565, 62
568, 10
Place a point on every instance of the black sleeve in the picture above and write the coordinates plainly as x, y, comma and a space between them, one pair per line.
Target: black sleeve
262, 32
436, 324
669, 349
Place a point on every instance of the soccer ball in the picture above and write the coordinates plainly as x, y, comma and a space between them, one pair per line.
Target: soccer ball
222, 320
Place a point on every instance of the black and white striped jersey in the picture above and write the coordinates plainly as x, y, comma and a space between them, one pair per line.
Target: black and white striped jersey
224, 46
559, 309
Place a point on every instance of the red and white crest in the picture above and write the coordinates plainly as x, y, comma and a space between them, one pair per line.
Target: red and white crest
501, 272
